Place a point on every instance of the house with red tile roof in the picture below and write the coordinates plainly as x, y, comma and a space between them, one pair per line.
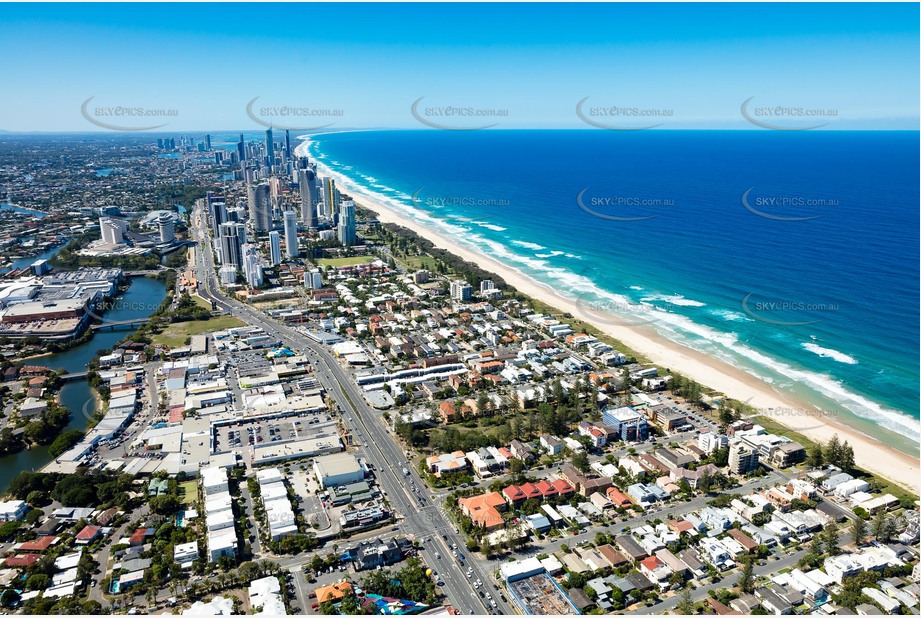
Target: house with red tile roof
563, 489
531, 491
613, 556
619, 498
546, 489
448, 411
88, 535
483, 510
333, 592
514, 495
744, 540
140, 535
23, 561
654, 569
39, 545
680, 525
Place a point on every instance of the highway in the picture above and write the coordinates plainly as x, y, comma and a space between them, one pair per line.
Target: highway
419, 515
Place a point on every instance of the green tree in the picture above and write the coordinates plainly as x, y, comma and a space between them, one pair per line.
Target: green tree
830, 538
816, 457
64, 442
37, 498
859, 530
580, 461
747, 577
882, 527
833, 451
39, 581
847, 457
685, 604
516, 467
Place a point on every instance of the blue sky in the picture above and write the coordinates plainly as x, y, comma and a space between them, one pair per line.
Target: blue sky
856, 63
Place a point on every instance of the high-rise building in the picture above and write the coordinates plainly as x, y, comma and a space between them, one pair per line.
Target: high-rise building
112, 230
306, 184
166, 227
461, 290
270, 147
347, 224
287, 143
252, 265
241, 149
236, 214
486, 285
232, 237
330, 199
227, 274
260, 214
275, 248
217, 210
742, 458
313, 280
208, 142
291, 249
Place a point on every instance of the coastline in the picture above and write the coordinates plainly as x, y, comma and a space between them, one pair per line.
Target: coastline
870, 454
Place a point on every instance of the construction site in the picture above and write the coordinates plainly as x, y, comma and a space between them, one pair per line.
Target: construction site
540, 595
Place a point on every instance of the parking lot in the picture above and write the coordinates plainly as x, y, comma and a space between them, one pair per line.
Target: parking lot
266, 431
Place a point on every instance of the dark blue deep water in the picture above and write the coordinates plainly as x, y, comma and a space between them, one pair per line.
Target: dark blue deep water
810, 281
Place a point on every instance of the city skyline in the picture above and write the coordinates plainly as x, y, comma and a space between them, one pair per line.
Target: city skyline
695, 69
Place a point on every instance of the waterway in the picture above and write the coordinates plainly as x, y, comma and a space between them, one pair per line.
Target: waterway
140, 300
25, 211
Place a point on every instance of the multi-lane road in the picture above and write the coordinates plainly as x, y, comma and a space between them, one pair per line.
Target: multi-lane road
419, 514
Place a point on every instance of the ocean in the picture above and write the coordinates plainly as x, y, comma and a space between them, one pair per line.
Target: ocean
792, 255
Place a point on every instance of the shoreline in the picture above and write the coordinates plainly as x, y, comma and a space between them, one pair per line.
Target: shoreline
870, 453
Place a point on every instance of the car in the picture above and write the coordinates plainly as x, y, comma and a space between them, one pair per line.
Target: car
315, 606
312, 595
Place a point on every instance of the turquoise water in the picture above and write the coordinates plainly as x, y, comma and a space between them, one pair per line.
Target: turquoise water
821, 300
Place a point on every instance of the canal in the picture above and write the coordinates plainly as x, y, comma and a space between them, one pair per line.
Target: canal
140, 300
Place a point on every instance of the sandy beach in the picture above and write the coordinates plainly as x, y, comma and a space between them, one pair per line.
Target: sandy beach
870, 453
